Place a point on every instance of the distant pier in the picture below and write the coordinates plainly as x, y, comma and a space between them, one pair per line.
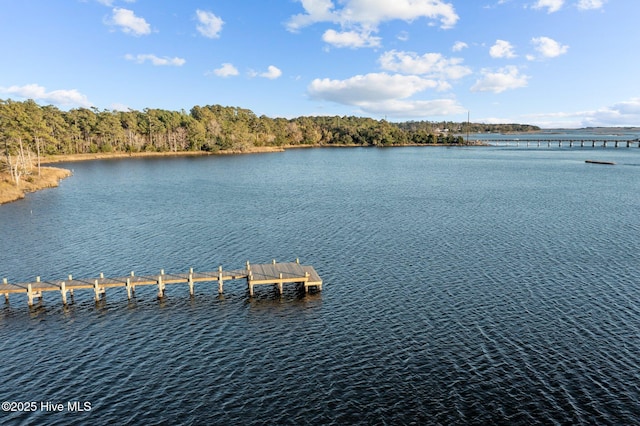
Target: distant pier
276, 274
564, 143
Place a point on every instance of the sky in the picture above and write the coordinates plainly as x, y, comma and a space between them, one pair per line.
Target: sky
551, 63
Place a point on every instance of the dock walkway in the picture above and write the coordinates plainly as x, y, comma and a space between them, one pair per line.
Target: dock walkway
276, 274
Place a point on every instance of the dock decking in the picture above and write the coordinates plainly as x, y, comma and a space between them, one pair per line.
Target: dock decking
276, 274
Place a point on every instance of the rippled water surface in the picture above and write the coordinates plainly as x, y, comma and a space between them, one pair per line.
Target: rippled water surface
462, 286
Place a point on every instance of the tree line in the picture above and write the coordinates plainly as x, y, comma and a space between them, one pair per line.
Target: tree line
27, 127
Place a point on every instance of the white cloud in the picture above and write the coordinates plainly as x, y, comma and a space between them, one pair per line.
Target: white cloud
369, 88
502, 49
156, 60
272, 73
551, 5
111, 2
384, 94
413, 109
548, 48
210, 24
430, 64
57, 97
623, 114
506, 78
317, 11
226, 70
362, 17
129, 23
590, 4
459, 45
403, 36
350, 39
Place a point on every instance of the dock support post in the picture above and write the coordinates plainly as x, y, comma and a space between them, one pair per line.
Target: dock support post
96, 290
63, 290
190, 281
280, 284
6, 295
250, 284
160, 287
30, 294
220, 281
128, 285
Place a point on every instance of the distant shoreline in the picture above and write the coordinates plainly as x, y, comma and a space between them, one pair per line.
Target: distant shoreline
64, 158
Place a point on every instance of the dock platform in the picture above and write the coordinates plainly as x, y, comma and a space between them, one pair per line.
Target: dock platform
276, 274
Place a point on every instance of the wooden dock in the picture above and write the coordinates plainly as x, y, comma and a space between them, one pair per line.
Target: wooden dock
276, 274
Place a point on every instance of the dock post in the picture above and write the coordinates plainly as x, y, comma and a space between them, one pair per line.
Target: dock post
160, 287
298, 260
96, 290
273, 261
191, 281
101, 275
220, 281
280, 283
250, 284
248, 266
30, 294
63, 290
128, 285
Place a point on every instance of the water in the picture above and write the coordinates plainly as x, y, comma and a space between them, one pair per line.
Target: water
462, 286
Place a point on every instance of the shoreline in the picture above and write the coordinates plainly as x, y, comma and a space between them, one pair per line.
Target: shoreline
51, 176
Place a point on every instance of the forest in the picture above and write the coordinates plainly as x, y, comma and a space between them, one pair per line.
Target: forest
27, 127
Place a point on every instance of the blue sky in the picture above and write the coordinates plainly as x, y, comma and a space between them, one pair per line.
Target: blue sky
554, 63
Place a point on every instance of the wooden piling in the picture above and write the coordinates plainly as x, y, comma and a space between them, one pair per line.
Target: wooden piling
30, 293
128, 285
160, 287
250, 283
96, 290
190, 279
220, 280
63, 290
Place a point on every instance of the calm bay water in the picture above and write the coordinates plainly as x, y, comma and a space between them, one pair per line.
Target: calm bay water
462, 286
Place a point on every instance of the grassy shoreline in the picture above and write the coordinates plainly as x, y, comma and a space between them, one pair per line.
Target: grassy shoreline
49, 177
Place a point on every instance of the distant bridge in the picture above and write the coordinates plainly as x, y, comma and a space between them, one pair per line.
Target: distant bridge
564, 143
